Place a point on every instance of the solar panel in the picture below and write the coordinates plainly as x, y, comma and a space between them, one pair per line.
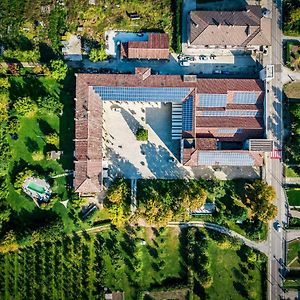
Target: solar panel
120, 93
230, 130
244, 98
187, 117
231, 113
211, 158
212, 100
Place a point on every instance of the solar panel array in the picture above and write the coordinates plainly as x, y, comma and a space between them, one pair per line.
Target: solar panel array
231, 113
244, 98
230, 130
187, 114
120, 93
212, 100
211, 158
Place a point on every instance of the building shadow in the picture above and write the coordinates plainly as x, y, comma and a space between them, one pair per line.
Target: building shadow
131, 121
158, 161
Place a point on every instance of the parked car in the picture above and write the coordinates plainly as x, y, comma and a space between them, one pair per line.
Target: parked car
203, 57
217, 72
277, 226
191, 58
140, 34
226, 72
184, 63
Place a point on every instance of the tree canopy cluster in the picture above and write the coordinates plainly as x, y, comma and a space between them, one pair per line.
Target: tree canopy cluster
291, 9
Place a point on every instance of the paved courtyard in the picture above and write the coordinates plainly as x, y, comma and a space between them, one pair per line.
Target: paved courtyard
130, 158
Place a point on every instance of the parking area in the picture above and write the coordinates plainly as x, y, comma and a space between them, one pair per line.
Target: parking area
126, 157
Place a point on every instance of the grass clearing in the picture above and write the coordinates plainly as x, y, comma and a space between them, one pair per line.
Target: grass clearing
294, 196
292, 90
31, 147
292, 172
293, 259
233, 279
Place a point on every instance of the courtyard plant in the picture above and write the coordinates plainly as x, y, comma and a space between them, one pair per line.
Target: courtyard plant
142, 134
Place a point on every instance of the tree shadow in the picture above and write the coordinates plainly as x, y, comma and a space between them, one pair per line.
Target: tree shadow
31, 144
45, 127
241, 289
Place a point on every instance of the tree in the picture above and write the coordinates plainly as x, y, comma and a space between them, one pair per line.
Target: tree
20, 178
97, 55
118, 192
50, 104
259, 197
58, 70
52, 139
4, 83
142, 134
25, 106
4, 101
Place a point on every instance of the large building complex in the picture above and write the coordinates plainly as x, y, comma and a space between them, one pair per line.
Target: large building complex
215, 121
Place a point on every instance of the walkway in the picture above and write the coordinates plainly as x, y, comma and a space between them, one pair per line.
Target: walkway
295, 213
292, 234
261, 246
292, 180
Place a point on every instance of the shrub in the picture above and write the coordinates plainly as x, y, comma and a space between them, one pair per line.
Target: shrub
25, 106
97, 55
37, 155
53, 139
58, 70
142, 134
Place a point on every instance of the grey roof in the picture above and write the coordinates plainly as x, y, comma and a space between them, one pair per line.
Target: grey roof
223, 158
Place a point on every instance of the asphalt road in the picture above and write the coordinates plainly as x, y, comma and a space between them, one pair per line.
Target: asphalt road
274, 169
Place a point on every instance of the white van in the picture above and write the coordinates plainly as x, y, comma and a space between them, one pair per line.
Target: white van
184, 63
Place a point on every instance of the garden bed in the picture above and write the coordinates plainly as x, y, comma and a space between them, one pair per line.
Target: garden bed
293, 55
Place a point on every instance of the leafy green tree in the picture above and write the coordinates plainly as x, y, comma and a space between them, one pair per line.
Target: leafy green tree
22, 56
52, 139
4, 83
25, 106
20, 178
259, 198
4, 107
118, 192
50, 104
97, 55
58, 70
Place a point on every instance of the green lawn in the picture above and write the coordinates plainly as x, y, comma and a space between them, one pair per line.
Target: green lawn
294, 196
31, 139
293, 252
232, 278
291, 172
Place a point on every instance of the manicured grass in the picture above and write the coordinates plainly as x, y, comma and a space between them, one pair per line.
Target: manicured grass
294, 196
31, 139
291, 172
230, 280
294, 252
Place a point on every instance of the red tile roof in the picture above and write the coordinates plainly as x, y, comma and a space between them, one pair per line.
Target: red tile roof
88, 117
157, 47
88, 139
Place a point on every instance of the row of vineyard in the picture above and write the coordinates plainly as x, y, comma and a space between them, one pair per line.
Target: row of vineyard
64, 270
85, 266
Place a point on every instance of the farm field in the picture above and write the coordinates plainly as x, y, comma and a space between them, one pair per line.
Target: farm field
133, 261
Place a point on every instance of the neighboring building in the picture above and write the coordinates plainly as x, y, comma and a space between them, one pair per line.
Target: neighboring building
72, 48
156, 47
217, 118
246, 29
